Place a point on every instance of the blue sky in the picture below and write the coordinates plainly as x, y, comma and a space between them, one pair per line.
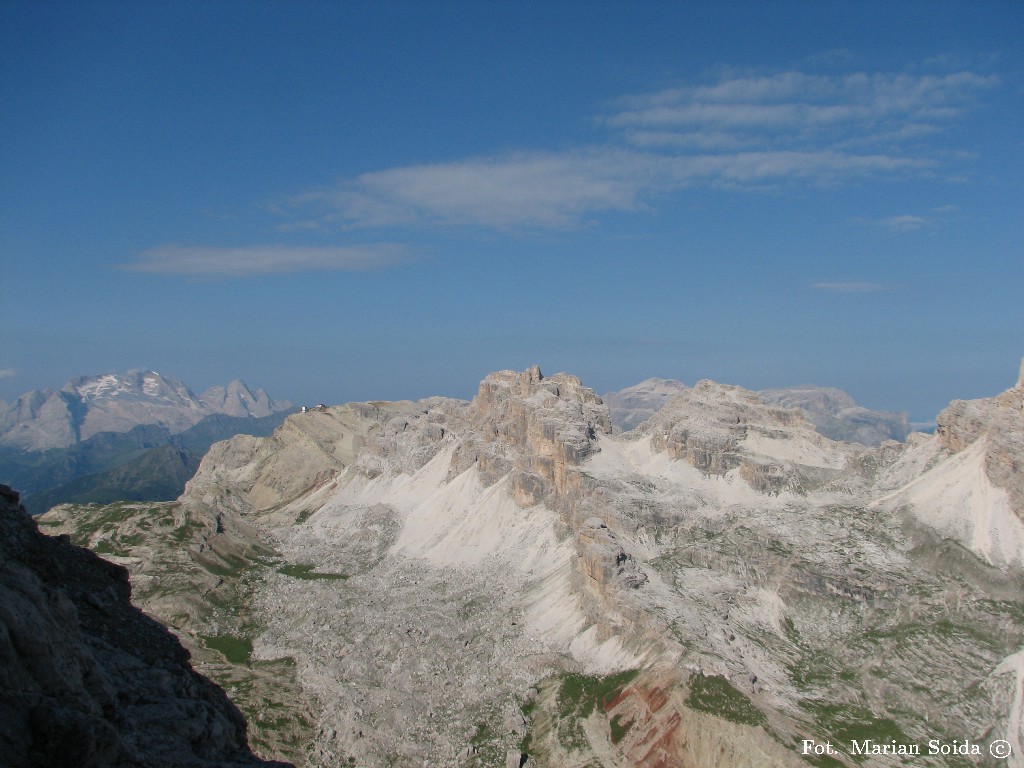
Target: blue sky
345, 201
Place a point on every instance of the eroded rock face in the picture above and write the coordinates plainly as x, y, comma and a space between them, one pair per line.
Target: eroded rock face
717, 428
537, 428
89, 680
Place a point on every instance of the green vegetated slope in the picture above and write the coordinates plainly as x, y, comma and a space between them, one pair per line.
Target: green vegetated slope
159, 474
199, 577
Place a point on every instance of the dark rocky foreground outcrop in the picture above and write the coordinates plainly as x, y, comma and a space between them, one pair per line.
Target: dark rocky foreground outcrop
86, 679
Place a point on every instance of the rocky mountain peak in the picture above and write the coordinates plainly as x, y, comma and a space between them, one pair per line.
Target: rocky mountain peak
720, 582
534, 425
236, 399
836, 415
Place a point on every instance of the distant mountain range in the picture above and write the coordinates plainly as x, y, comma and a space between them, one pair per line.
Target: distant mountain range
832, 412
88, 405
136, 436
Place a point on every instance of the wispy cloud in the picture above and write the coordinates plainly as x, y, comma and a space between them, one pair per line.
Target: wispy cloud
737, 132
793, 106
542, 190
6, 373
904, 223
851, 286
910, 222
532, 189
202, 261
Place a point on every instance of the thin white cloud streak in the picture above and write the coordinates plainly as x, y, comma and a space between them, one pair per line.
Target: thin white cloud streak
555, 191
910, 222
6, 373
200, 261
904, 223
851, 286
795, 99
740, 132
543, 190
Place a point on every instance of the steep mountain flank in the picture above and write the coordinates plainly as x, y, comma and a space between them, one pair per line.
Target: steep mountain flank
89, 680
509, 582
972, 486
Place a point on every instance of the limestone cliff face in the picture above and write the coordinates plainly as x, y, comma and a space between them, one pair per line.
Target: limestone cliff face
536, 428
717, 428
319, 448
87, 679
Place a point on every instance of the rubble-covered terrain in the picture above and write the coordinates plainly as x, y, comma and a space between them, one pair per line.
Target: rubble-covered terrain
507, 582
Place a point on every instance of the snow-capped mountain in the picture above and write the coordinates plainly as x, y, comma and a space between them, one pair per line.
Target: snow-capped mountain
87, 405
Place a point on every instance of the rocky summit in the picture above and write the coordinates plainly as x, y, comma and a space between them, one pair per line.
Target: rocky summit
513, 582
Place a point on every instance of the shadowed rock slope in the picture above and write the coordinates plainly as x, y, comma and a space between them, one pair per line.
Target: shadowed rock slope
87, 679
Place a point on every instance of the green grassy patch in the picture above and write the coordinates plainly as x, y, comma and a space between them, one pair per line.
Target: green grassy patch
843, 723
579, 694
619, 729
229, 566
105, 519
309, 573
717, 696
105, 547
822, 761
488, 751
236, 650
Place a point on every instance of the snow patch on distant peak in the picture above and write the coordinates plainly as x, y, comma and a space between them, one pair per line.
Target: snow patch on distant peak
99, 386
151, 384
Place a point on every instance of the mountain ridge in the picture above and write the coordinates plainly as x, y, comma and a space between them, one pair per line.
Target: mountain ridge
728, 576
833, 412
